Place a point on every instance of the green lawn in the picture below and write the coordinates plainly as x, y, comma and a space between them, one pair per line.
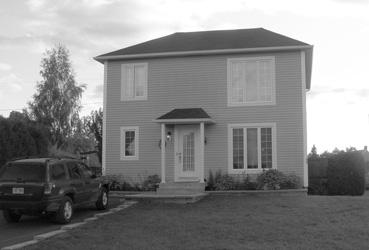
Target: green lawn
244, 221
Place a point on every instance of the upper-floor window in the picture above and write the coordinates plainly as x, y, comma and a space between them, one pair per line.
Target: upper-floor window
251, 81
134, 82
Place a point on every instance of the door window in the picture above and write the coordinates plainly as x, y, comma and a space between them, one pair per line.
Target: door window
58, 172
87, 173
188, 152
74, 171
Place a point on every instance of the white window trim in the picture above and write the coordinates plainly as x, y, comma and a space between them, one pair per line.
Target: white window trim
230, 147
229, 84
123, 140
135, 98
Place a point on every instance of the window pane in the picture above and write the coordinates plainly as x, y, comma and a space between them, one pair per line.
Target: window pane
252, 148
237, 82
23, 172
74, 171
251, 82
266, 148
130, 143
265, 80
128, 76
238, 155
58, 172
139, 80
188, 152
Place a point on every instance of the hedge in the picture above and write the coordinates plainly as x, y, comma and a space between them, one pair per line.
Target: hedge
346, 174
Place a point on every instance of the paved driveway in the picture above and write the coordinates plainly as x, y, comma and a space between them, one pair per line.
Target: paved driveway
12, 233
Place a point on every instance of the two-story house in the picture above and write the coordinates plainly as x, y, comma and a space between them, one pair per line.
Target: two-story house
189, 103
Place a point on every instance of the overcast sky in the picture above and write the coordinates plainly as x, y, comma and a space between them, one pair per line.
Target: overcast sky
337, 105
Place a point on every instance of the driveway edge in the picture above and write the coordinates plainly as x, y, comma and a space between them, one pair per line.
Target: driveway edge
65, 228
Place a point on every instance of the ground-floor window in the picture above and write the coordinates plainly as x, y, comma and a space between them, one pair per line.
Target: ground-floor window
251, 146
129, 143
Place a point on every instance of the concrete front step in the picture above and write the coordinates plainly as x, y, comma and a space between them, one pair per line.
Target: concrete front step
181, 188
168, 198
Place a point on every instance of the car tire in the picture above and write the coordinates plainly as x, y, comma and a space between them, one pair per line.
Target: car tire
11, 216
65, 213
103, 200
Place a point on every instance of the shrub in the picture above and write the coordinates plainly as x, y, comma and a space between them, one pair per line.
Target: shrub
151, 183
119, 183
346, 174
224, 182
269, 180
291, 181
273, 179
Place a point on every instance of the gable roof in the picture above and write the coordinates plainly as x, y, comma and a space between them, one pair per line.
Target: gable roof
213, 42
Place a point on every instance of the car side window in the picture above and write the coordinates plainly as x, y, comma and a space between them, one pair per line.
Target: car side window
86, 171
58, 172
74, 171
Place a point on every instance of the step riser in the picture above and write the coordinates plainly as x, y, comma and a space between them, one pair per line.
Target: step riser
179, 191
181, 188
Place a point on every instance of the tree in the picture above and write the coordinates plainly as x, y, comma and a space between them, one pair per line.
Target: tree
94, 123
20, 137
56, 103
313, 154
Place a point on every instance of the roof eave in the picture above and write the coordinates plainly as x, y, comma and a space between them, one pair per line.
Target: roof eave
185, 121
104, 58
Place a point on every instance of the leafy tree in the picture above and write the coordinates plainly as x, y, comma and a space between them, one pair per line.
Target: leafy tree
57, 101
20, 137
313, 154
94, 123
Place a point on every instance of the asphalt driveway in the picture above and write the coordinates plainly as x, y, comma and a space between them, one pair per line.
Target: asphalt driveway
28, 227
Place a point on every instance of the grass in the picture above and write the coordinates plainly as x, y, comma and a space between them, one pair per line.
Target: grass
237, 221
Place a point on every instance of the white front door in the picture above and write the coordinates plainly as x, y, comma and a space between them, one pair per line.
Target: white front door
186, 152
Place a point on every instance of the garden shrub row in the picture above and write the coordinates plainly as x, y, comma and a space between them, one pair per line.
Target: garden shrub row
119, 183
271, 179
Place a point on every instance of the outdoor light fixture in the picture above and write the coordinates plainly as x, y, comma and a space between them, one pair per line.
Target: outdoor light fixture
169, 136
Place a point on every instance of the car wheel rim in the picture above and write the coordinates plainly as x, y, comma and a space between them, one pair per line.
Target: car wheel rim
67, 210
104, 198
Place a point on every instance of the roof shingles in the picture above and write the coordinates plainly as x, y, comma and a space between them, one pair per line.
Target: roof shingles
209, 40
191, 113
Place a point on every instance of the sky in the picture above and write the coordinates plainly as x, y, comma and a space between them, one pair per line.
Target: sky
337, 104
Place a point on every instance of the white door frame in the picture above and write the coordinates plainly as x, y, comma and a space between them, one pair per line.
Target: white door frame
198, 174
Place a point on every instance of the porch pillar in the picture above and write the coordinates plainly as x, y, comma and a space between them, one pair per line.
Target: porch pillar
162, 146
202, 146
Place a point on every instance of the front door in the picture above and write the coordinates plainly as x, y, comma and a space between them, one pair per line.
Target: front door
186, 152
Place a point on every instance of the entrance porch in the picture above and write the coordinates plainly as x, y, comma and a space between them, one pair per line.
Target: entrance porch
188, 126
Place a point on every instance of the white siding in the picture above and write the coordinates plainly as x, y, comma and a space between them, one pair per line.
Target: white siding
201, 81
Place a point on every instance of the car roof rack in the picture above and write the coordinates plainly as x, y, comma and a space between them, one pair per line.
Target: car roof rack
28, 157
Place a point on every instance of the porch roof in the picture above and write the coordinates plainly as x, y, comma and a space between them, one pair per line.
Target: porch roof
185, 116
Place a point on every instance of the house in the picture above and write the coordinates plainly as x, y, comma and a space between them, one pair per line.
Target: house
189, 103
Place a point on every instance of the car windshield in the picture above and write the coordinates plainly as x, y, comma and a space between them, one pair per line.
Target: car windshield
23, 172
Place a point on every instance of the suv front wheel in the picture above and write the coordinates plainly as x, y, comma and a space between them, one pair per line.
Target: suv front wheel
11, 216
65, 212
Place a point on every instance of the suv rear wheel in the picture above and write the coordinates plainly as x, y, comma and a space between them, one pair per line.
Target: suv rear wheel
65, 212
11, 216
103, 200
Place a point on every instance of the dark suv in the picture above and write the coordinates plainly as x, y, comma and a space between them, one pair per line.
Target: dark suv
49, 186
